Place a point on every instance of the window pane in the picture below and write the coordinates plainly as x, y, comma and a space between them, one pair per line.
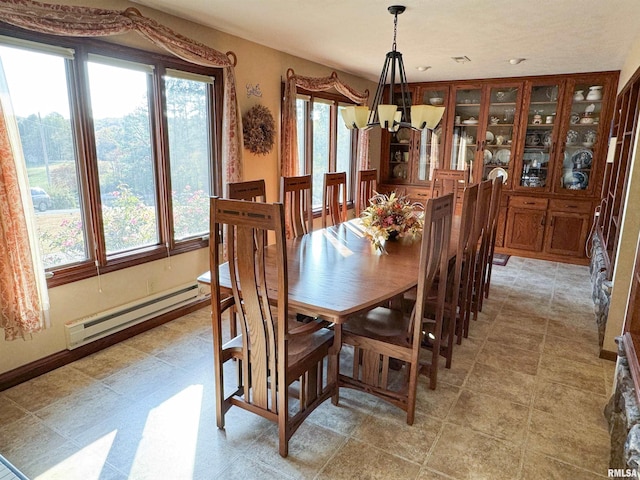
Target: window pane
321, 115
343, 155
301, 108
189, 156
120, 107
39, 95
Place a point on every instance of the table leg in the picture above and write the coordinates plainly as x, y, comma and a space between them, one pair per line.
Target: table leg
334, 361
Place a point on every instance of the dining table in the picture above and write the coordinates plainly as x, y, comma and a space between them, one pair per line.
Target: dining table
336, 272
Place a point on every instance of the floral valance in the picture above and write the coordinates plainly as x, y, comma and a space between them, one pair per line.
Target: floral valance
289, 152
94, 22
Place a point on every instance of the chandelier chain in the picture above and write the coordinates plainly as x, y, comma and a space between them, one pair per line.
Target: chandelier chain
395, 30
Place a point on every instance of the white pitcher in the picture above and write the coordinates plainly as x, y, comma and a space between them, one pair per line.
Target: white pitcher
595, 93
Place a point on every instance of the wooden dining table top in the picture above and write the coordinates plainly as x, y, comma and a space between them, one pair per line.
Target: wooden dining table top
336, 272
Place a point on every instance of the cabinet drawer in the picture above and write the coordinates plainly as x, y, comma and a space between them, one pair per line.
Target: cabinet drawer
570, 206
418, 194
528, 202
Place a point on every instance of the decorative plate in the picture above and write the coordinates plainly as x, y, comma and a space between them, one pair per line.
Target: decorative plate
582, 157
572, 137
575, 180
487, 156
400, 171
503, 156
490, 137
498, 172
532, 139
403, 135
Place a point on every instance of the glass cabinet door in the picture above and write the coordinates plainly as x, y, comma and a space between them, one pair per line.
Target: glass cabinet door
400, 149
430, 145
402, 145
464, 140
540, 137
500, 132
582, 127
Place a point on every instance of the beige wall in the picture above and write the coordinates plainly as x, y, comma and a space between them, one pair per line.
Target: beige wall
256, 65
630, 227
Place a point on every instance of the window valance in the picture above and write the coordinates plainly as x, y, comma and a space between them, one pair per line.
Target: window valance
77, 21
289, 153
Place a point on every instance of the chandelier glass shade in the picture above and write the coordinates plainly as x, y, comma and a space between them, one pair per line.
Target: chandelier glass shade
390, 115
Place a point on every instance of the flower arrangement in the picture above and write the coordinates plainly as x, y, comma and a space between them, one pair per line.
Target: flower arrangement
390, 216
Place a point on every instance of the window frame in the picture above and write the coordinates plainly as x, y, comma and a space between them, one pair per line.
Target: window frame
98, 261
336, 100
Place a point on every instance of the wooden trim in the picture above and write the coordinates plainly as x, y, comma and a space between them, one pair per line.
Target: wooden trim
43, 365
608, 355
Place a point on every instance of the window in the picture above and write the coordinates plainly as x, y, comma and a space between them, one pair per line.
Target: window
119, 99
120, 149
189, 155
324, 143
42, 110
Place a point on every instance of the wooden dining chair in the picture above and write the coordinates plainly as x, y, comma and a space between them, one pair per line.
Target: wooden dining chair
334, 211
367, 188
296, 195
383, 334
458, 278
494, 211
448, 181
273, 356
253, 190
481, 220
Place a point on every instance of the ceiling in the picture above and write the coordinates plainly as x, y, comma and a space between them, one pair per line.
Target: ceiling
554, 36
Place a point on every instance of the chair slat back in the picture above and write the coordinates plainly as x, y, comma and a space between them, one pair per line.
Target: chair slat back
252, 190
489, 237
479, 227
244, 222
465, 255
434, 250
434, 262
334, 198
482, 211
296, 195
367, 186
446, 181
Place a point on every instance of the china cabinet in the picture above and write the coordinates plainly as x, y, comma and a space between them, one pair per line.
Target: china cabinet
546, 136
561, 157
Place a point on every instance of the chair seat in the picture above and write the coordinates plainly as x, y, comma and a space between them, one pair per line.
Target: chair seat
381, 324
301, 348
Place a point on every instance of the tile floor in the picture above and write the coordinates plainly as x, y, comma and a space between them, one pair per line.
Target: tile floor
523, 400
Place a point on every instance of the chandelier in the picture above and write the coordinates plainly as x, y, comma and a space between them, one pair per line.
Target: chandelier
389, 115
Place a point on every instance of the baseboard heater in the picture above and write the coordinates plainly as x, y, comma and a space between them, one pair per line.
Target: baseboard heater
88, 329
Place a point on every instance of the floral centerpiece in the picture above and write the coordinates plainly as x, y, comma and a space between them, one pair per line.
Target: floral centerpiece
390, 216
